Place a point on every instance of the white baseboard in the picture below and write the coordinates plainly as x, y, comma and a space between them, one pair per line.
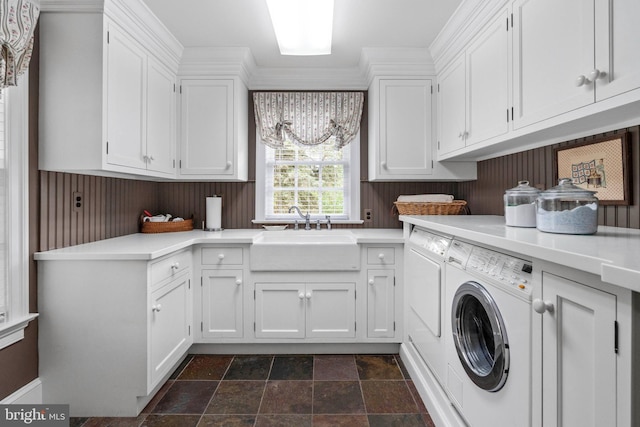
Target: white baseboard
433, 395
30, 394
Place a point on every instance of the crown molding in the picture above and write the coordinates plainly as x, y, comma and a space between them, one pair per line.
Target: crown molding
217, 61
79, 6
132, 15
308, 79
398, 62
467, 20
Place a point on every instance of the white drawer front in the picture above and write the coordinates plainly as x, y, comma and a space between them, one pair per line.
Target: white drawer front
221, 256
170, 266
381, 256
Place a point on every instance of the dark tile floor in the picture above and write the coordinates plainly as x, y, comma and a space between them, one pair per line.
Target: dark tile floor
295, 391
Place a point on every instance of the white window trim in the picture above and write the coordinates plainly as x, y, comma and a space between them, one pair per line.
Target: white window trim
17, 152
354, 176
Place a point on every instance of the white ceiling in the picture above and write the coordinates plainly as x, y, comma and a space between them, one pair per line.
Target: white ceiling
357, 24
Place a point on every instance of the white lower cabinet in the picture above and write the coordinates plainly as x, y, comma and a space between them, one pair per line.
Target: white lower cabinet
170, 323
110, 331
381, 321
583, 350
299, 310
222, 302
578, 354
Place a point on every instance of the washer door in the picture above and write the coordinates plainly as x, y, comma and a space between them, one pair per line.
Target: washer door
480, 337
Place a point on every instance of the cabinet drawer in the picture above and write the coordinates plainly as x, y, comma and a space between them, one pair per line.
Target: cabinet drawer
381, 256
170, 266
221, 256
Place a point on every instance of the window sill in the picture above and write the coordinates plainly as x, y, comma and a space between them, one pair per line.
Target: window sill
276, 221
13, 332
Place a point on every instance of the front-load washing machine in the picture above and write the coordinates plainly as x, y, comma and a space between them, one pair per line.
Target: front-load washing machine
488, 331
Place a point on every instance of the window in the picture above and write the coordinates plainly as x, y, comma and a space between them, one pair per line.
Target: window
14, 278
319, 179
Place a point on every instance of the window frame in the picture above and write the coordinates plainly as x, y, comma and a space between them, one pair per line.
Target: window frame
17, 214
353, 196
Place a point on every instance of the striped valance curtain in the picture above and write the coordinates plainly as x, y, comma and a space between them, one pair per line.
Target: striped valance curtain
308, 118
18, 19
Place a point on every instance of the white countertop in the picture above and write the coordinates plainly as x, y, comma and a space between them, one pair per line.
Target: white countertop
612, 253
151, 246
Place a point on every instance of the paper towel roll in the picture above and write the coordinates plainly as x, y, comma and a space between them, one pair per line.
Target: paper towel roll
214, 213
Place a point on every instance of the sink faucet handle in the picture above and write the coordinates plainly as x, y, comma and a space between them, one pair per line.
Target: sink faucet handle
318, 226
295, 224
328, 217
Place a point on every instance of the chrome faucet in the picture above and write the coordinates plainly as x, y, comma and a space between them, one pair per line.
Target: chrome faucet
307, 217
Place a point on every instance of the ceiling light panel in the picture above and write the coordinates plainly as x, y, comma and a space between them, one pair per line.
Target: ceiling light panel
302, 27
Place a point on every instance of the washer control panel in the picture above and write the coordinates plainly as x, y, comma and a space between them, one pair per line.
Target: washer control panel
513, 272
430, 242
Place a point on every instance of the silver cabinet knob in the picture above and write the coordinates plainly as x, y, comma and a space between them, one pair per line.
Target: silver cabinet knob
175, 266
308, 295
372, 282
301, 295
238, 282
582, 80
541, 306
381, 255
384, 165
220, 257
156, 307
596, 74
229, 164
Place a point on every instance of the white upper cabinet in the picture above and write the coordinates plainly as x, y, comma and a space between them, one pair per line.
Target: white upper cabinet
213, 129
126, 64
452, 107
553, 47
107, 90
161, 118
473, 90
488, 79
537, 72
564, 64
402, 135
617, 46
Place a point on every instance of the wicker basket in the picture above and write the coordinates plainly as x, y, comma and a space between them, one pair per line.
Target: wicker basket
166, 227
430, 208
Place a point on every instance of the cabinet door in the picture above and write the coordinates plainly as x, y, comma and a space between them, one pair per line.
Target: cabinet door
207, 132
553, 46
488, 81
330, 310
161, 119
222, 296
380, 304
405, 140
280, 310
452, 107
170, 326
578, 355
125, 95
616, 48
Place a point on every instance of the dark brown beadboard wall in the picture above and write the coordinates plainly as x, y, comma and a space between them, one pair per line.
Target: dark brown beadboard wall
536, 166
238, 210
111, 208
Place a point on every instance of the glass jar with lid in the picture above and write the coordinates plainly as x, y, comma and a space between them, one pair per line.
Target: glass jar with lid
567, 208
520, 205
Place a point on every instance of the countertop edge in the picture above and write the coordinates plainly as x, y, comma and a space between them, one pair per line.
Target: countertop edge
609, 269
141, 247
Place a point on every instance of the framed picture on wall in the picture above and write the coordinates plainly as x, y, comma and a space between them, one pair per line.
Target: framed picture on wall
602, 165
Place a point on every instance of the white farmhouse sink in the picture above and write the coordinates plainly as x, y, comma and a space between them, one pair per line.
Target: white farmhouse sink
305, 250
